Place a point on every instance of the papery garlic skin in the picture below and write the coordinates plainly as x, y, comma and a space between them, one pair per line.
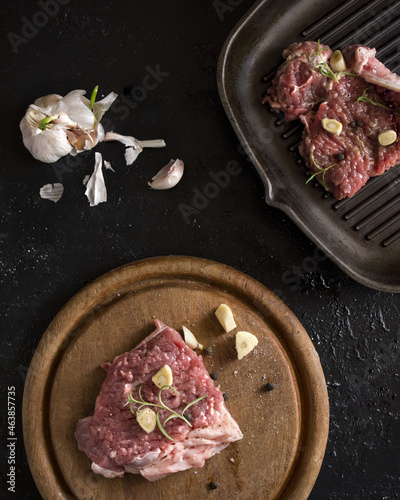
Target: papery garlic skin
133, 146
52, 192
96, 191
72, 126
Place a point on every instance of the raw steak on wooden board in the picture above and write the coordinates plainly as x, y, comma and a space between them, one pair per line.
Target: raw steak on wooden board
343, 163
113, 439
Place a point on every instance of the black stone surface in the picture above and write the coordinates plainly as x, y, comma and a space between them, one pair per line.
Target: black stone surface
48, 251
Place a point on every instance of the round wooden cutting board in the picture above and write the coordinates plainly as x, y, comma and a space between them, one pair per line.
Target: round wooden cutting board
285, 429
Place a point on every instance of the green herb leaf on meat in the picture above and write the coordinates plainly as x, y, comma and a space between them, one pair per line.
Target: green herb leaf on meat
162, 406
364, 98
321, 171
324, 68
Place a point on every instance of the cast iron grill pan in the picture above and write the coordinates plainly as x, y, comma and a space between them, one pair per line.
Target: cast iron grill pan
360, 234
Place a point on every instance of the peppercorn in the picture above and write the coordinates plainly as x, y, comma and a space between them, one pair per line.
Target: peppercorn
213, 485
352, 124
269, 386
340, 156
358, 123
225, 396
214, 376
207, 350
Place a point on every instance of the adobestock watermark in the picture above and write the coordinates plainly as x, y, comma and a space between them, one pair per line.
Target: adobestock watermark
11, 439
202, 197
222, 7
135, 95
69, 163
310, 264
48, 9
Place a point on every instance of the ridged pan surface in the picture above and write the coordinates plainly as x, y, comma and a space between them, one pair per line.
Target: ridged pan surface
360, 234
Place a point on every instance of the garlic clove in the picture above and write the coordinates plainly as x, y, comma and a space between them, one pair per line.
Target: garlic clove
52, 192
147, 419
48, 100
168, 176
245, 343
96, 191
225, 317
337, 62
34, 117
190, 339
163, 376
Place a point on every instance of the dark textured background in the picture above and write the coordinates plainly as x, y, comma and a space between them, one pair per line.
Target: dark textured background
50, 251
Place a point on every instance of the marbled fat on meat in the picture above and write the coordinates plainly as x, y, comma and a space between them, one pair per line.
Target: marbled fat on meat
112, 437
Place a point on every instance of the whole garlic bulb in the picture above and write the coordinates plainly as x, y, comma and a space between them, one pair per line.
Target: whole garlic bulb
54, 126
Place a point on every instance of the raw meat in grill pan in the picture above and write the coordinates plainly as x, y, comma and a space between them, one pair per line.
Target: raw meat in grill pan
297, 87
113, 439
345, 161
356, 151
362, 60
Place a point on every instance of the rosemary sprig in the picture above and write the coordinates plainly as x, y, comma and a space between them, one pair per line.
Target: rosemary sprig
162, 406
364, 98
347, 73
93, 97
321, 171
324, 68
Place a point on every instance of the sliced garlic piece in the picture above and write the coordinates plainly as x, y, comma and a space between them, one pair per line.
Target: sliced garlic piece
225, 317
337, 62
163, 376
332, 126
387, 137
146, 419
190, 339
245, 343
